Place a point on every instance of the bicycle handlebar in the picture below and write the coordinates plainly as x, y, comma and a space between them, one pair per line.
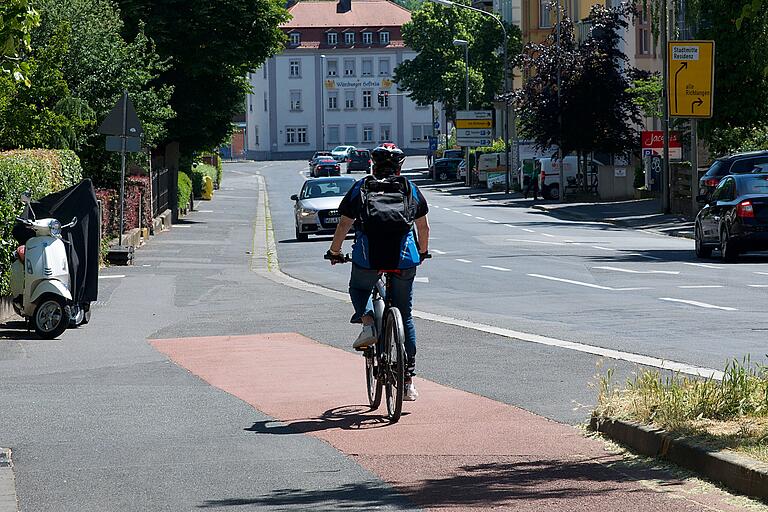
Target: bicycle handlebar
334, 258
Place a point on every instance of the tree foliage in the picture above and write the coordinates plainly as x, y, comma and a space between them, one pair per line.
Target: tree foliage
596, 107
17, 19
646, 92
437, 73
210, 47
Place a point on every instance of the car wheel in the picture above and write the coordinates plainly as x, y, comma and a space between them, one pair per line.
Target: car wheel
728, 248
301, 237
552, 192
442, 176
702, 251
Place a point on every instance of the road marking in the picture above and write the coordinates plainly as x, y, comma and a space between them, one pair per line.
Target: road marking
421, 279
480, 218
699, 265
463, 260
628, 271
438, 251
493, 221
502, 269
510, 226
698, 286
699, 304
528, 230
467, 214
533, 241
117, 276
758, 285
547, 234
762, 273
645, 256
205, 211
588, 285
602, 248
181, 226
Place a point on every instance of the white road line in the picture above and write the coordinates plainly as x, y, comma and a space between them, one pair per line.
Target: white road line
480, 218
588, 285
602, 248
762, 273
533, 241
628, 271
116, 276
758, 285
438, 251
467, 214
699, 304
421, 279
181, 226
700, 286
205, 211
547, 234
510, 225
463, 260
528, 230
645, 256
699, 265
493, 221
502, 269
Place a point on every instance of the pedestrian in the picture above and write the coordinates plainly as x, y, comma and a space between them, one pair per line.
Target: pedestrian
531, 185
429, 157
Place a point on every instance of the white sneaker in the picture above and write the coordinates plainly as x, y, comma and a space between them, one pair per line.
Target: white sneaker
410, 392
366, 338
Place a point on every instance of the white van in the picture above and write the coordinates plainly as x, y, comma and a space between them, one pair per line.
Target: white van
551, 186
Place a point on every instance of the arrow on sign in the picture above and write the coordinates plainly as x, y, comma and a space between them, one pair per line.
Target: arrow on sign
698, 103
683, 66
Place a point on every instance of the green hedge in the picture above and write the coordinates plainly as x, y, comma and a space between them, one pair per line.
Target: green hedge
199, 171
42, 172
184, 191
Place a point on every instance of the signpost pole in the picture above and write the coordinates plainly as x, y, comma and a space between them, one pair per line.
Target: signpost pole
694, 165
665, 184
123, 137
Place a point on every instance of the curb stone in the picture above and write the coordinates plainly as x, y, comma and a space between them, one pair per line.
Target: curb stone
740, 473
8, 501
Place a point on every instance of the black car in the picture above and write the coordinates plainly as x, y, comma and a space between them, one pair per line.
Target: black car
444, 169
734, 218
359, 160
738, 163
324, 166
453, 153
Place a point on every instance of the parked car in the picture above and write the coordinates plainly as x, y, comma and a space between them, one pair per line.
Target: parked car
316, 159
339, 153
359, 160
738, 163
453, 153
321, 153
734, 218
316, 206
445, 169
326, 167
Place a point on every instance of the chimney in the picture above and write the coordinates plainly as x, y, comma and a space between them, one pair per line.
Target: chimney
344, 6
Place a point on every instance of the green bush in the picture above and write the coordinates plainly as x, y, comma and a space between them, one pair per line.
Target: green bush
40, 171
184, 191
199, 171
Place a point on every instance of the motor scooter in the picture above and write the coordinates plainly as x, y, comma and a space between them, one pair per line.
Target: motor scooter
40, 278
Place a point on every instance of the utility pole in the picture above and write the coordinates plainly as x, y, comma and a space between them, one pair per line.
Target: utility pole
561, 179
665, 176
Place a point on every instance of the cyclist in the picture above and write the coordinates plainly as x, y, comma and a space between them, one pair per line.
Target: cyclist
376, 251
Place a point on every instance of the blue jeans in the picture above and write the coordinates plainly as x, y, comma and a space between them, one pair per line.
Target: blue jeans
361, 284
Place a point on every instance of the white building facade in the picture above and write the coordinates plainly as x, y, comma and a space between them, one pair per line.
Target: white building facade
333, 84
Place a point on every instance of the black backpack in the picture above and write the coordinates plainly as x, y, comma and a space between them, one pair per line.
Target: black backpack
388, 207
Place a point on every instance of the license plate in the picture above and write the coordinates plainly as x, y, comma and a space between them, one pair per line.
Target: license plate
332, 220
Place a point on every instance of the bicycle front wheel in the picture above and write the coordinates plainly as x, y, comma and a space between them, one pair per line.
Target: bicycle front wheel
372, 380
394, 363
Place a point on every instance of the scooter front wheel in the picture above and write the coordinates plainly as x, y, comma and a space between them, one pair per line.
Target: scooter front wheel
51, 316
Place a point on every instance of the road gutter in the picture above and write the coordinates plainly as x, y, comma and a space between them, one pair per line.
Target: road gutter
742, 474
8, 500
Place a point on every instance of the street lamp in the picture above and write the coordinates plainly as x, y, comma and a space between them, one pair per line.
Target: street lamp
465, 44
448, 3
322, 102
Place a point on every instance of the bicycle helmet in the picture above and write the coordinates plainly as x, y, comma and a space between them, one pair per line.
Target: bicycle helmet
386, 161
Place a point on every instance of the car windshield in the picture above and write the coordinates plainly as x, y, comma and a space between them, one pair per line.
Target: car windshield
340, 149
313, 190
754, 185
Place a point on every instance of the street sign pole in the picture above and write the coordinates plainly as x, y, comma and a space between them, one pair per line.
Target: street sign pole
124, 137
665, 188
694, 165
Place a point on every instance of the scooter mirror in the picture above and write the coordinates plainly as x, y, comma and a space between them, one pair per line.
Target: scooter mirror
26, 197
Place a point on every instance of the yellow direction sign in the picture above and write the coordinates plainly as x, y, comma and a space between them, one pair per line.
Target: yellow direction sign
474, 123
690, 68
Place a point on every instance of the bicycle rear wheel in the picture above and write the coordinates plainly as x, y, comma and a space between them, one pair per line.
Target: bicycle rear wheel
394, 363
373, 383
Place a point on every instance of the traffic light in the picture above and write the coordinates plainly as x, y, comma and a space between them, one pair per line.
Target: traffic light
383, 98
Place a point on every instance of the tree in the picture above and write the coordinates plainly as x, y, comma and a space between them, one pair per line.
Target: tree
437, 73
210, 47
17, 19
596, 111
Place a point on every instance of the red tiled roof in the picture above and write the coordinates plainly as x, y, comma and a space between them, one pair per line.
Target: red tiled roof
364, 13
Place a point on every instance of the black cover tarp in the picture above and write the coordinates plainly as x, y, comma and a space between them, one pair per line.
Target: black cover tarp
83, 249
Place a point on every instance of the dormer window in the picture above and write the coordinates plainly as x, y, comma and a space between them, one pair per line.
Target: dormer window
349, 38
367, 37
295, 38
332, 38
384, 37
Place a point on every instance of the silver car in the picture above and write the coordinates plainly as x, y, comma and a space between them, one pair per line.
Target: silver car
316, 207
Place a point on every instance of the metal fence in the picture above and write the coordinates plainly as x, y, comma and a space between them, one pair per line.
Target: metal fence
160, 190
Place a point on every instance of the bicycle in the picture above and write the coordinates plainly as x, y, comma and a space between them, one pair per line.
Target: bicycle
385, 360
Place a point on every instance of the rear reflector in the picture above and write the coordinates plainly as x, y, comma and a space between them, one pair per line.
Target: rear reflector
744, 210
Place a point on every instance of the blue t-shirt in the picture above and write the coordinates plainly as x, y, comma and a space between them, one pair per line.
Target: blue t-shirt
365, 246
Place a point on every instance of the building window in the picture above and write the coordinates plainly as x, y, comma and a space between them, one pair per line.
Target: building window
349, 38
349, 99
384, 99
332, 68
367, 99
643, 33
367, 133
545, 14
264, 67
350, 133
256, 134
295, 101
295, 38
383, 67
386, 132
333, 135
349, 67
367, 37
295, 134
266, 103
332, 38
294, 68
333, 101
420, 132
367, 67
384, 37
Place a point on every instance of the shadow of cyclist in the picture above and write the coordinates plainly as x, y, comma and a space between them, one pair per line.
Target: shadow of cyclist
346, 417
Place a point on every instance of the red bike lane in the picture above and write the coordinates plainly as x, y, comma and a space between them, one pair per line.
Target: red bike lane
451, 450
